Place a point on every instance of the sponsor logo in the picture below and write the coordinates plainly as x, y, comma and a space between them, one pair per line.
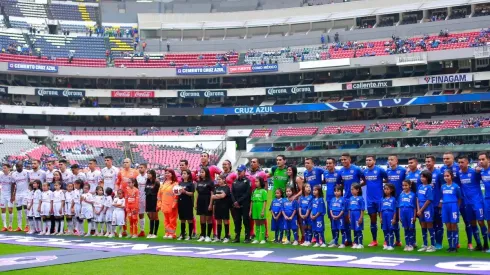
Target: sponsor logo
132, 94
198, 94
290, 90
13, 66
201, 70
449, 78
60, 92
367, 85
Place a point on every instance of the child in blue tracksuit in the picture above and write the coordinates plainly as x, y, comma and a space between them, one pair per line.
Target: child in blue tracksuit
277, 219
290, 211
337, 207
407, 212
304, 213
356, 214
317, 215
388, 215
451, 200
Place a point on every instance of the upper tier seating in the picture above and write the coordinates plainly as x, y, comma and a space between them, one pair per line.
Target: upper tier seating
179, 60
103, 133
24, 9
261, 133
60, 46
166, 155
296, 131
73, 12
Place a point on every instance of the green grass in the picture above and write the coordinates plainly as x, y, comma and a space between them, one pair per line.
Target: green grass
367, 238
147, 264
6, 249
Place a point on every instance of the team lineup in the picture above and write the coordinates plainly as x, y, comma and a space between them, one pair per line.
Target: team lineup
108, 201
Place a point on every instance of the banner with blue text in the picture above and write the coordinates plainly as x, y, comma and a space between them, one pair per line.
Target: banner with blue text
14, 66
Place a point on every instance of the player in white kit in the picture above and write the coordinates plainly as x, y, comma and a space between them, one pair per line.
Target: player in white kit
20, 188
66, 173
36, 201
118, 215
94, 177
69, 208
6, 199
109, 174
77, 174
36, 173
50, 171
76, 207
46, 209
108, 209
141, 179
58, 207
87, 210
99, 201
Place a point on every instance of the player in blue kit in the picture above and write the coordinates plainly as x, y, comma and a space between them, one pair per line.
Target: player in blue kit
448, 159
290, 211
331, 177
317, 216
337, 210
356, 213
313, 175
413, 172
407, 212
374, 177
437, 181
473, 198
451, 199
277, 219
484, 169
425, 211
388, 215
349, 174
396, 175
304, 213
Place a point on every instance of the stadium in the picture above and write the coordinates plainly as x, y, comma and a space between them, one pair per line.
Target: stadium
279, 136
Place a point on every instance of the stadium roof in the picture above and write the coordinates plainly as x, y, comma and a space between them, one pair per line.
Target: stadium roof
370, 151
379, 135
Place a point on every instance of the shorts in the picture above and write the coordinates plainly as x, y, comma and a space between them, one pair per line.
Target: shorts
305, 222
185, 210
406, 216
257, 212
450, 212
487, 209
387, 217
291, 225
474, 212
5, 202
86, 213
57, 208
354, 221
78, 209
108, 215
45, 209
21, 199
277, 225
118, 217
100, 217
68, 211
373, 207
428, 214
203, 206
223, 213
142, 205
35, 212
338, 224
318, 225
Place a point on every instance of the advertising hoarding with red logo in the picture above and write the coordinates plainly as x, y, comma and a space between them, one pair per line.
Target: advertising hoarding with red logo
132, 94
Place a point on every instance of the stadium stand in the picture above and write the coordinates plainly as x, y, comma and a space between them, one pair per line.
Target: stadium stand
24, 9
77, 12
165, 155
58, 46
81, 151
102, 133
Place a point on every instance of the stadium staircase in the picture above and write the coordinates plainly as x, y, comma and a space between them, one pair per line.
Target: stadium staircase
28, 41
83, 11
53, 147
127, 151
241, 59
119, 45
